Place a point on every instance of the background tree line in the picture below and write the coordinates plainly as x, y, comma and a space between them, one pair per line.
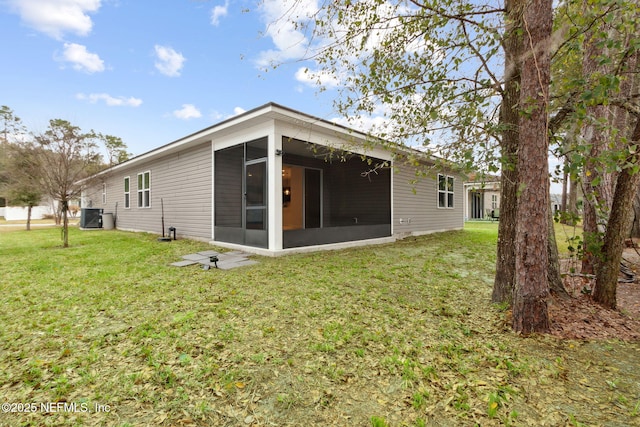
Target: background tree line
54, 164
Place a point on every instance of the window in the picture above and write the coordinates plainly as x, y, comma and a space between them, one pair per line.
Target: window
127, 192
104, 193
494, 201
144, 189
445, 191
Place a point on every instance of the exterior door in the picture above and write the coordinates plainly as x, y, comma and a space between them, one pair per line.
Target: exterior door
476, 205
255, 201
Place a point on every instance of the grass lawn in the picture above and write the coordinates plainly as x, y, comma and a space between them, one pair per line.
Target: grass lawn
400, 334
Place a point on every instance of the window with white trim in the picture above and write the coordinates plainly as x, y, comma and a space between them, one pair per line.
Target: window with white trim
445, 191
494, 201
104, 193
144, 189
127, 192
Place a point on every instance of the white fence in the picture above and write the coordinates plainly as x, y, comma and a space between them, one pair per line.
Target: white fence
17, 213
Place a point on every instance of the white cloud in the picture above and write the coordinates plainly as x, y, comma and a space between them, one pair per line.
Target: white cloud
188, 111
366, 124
57, 17
81, 58
109, 100
169, 61
323, 78
281, 17
219, 12
217, 116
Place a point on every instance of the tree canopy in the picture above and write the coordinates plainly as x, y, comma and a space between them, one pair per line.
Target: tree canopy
57, 163
449, 76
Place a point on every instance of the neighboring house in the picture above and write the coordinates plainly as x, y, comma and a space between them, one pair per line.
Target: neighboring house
481, 197
556, 202
273, 180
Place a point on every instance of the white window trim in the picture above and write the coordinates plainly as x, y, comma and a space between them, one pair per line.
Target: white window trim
445, 191
143, 190
104, 193
127, 178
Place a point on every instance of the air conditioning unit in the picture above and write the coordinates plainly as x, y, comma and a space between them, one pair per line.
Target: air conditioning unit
91, 218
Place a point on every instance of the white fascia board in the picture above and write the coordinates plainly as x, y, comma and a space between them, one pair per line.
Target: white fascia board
199, 137
333, 137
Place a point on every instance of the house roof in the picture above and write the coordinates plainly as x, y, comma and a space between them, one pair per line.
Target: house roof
268, 111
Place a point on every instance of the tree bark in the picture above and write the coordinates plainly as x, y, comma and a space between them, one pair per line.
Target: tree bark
29, 208
573, 200
565, 192
509, 117
65, 224
621, 215
532, 214
555, 279
597, 183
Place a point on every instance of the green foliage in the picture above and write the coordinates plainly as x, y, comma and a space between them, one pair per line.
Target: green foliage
378, 422
592, 68
59, 162
116, 149
432, 65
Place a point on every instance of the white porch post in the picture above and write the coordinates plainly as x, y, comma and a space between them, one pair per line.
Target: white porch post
213, 192
274, 182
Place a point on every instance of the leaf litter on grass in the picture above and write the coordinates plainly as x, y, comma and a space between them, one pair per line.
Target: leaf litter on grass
400, 334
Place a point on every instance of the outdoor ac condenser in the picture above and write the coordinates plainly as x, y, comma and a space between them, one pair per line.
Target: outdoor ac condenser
91, 218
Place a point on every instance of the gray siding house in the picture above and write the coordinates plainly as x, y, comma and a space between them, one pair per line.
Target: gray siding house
273, 180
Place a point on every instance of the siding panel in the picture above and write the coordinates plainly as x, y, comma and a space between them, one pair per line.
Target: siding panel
182, 181
418, 202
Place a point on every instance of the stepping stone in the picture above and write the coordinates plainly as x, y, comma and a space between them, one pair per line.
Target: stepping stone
233, 264
226, 261
208, 253
184, 263
195, 257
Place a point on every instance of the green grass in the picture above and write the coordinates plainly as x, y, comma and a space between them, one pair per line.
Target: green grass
400, 334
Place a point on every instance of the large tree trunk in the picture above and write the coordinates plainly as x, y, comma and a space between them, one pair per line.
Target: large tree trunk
532, 216
621, 215
619, 221
635, 227
509, 116
598, 183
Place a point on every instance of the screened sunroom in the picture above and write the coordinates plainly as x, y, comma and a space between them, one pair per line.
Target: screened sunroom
323, 195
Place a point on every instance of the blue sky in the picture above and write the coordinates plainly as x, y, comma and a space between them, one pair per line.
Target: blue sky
149, 72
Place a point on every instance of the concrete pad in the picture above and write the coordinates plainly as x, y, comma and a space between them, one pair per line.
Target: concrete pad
208, 253
226, 261
184, 263
223, 257
234, 264
195, 257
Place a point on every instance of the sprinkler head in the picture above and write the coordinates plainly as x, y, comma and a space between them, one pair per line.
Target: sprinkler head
214, 260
